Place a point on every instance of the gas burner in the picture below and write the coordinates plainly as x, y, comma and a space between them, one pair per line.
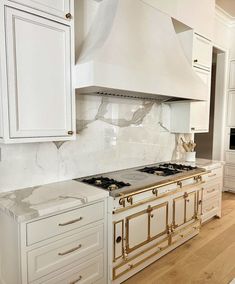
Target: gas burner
167, 169
159, 171
178, 167
106, 183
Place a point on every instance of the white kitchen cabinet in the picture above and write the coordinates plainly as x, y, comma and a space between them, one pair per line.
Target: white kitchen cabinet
75, 252
60, 8
232, 75
202, 52
192, 117
230, 111
212, 193
39, 98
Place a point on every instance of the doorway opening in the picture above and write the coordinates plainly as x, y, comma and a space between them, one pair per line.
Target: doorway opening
210, 145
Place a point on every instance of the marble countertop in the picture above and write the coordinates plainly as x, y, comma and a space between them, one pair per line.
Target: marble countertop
202, 163
29, 203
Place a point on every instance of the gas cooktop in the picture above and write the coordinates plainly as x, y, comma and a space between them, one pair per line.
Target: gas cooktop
130, 180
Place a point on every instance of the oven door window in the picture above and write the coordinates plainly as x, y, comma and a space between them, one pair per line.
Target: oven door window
232, 139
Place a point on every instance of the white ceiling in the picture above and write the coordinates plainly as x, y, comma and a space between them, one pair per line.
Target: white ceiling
228, 6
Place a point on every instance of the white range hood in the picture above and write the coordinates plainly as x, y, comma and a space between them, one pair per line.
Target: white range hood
132, 49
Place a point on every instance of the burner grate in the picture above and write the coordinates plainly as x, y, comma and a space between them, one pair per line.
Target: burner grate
106, 183
167, 169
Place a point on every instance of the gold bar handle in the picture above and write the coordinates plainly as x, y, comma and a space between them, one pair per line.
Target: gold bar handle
69, 251
77, 280
70, 222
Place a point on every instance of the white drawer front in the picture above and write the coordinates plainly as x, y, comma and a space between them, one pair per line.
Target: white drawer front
229, 182
229, 171
211, 191
230, 157
88, 272
54, 256
215, 173
55, 225
54, 7
210, 205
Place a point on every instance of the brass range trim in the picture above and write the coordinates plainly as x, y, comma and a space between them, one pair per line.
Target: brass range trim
148, 213
195, 229
114, 239
178, 181
156, 245
147, 200
185, 199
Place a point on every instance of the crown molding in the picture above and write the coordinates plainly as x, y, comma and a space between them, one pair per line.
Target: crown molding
224, 17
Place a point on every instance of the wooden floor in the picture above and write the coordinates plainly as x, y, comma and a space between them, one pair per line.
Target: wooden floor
207, 258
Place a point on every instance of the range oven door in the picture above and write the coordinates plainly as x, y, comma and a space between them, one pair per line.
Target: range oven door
146, 225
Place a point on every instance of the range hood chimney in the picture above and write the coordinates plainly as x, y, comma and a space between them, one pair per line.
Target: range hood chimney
132, 49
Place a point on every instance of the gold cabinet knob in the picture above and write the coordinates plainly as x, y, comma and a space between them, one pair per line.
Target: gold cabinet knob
70, 132
68, 16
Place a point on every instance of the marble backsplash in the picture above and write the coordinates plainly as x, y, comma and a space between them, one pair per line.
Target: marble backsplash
113, 133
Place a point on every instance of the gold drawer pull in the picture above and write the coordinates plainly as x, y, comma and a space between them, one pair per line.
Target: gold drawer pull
70, 222
210, 191
69, 251
213, 175
75, 281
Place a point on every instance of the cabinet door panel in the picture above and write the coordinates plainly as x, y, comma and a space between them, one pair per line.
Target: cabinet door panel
231, 113
137, 229
232, 75
159, 220
200, 111
178, 211
39, 76
55, 7
202, 52
190, 207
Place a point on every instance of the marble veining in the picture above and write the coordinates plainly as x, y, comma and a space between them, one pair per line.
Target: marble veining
113, 133
29, 203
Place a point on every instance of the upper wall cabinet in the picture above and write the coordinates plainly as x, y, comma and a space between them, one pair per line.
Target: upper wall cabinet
231, 113
202, 52
38, 100
60, 8
193, 117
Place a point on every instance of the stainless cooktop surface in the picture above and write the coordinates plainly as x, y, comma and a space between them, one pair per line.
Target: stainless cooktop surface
130, 180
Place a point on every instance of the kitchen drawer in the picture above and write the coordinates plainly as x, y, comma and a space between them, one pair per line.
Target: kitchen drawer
133, 262
213, 174
229, 171
87, 272
183, 233
49, 258
210, 205
211, 190
230, 157
229, 182
54, 7
58, 224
